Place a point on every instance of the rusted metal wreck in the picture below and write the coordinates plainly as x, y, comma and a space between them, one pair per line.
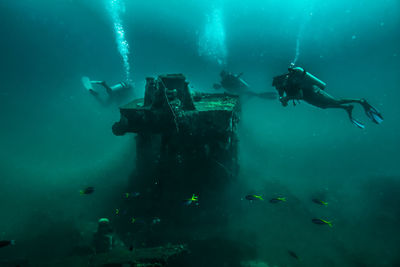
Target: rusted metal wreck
186, 143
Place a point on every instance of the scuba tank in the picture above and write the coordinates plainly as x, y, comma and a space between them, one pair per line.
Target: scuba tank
243, 83
119, 86
308, 77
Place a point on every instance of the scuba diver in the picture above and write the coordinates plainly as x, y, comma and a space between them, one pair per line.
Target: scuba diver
116, 93
236, 85
299, 84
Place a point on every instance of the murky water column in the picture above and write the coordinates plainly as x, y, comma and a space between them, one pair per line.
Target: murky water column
300, 34
116, 8
212, 40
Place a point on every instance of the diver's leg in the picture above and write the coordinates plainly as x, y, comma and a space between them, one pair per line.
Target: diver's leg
93, 93
105, 85
323, 100
349, 109
349, 100
109, 93
97, 97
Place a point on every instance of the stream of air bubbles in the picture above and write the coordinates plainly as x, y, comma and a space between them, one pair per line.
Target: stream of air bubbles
212, 41
115, 9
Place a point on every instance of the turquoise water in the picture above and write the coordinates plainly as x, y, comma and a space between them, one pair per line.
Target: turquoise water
56, 138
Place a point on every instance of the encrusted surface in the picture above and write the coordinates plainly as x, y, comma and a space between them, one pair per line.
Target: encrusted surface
204, 102
216, 102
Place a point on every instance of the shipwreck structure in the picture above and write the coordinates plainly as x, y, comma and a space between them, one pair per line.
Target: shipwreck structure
186, 143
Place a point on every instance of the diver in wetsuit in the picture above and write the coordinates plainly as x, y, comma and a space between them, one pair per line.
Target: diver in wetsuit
299, 84
233, 83
116, 93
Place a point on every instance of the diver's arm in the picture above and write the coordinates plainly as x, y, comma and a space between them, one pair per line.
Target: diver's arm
281, 91
285, 99
282, 98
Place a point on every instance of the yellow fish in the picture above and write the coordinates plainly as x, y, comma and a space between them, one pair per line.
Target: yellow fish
254, 197
278, 199
319, 202
320, 221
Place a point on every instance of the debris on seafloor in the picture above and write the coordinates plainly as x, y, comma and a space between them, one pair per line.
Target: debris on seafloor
154, 257
255, 264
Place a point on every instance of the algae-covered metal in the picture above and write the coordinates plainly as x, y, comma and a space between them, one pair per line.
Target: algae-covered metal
186, 143
169, 107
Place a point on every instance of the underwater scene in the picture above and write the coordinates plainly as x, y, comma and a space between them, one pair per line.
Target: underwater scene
200, 133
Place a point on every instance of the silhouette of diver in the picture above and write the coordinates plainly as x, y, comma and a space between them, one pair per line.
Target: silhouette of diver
299, 84
233, 83
116, 93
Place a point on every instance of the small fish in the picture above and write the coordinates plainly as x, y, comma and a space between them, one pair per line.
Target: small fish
133, 220
320, 221
116, 211
87, 191
194, 198
254, 197
277, 199
190, 201
6, 243
319, 202
294, 255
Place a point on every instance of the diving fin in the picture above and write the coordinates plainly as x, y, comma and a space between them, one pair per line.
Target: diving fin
349, 110
375, 116
86, 83
372, 113
357, 123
